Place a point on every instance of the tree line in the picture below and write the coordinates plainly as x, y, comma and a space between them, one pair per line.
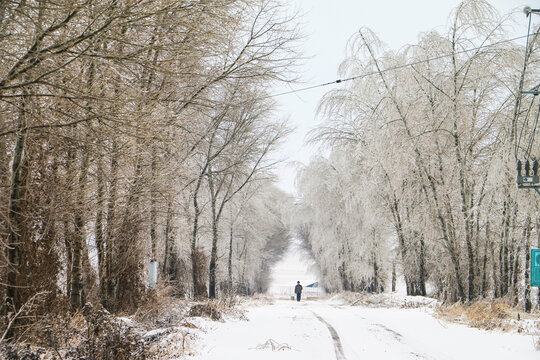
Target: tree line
421, 180
138, 130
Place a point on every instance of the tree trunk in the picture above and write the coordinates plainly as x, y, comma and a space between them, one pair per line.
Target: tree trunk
527, 252
213, 255
68, 231
4, 186
98, 231
15, 221
229, 262
515, 272
484, 261
69, 256
108, 284
398, 226
495, 266
464, 208
503, 252
511, 268
126, 262
213, 263
375, 283
79, 237
503, 263
345, 283
167, 236
3, 5
194, 264
4, 164
422, 269
153, 204
79, 243
394, 276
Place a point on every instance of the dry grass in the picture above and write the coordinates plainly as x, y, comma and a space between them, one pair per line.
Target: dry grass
482, 315
257, 299
160, 329
162, 309
234, 306
92, 333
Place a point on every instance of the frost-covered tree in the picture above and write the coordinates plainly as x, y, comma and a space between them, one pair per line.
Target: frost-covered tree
431, 134
340, 226
259, 236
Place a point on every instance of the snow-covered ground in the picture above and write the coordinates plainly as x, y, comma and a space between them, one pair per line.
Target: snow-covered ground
348, 326
330, 329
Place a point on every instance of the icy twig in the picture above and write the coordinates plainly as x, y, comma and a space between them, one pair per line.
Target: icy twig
274, 345
30, 303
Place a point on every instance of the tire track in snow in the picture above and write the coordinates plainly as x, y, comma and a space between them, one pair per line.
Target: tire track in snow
337, 341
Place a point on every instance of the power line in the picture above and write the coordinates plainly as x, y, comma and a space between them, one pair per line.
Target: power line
338, 81
518, 142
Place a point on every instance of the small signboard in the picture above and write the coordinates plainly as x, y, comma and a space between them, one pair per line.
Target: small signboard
153, 273
530, 179
535, 267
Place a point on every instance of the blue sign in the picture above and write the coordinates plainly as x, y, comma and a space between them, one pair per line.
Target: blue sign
535, 267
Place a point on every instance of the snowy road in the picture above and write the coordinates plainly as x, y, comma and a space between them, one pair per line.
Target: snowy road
322, 330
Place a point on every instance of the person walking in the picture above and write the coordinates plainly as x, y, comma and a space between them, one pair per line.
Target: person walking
298, 291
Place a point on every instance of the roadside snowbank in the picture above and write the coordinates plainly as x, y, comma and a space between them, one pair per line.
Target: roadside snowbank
383, 300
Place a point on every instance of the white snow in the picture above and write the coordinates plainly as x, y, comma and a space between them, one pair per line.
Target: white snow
286, 323
385, 326
364, 332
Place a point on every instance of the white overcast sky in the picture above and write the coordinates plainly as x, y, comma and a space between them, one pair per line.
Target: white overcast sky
327, 26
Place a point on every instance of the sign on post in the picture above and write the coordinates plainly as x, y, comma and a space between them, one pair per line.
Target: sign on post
535, 267
153, 272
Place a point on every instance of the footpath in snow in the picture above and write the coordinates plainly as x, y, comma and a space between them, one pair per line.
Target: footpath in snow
327, 329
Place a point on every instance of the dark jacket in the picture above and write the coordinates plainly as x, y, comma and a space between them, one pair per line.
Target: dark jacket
298, 289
